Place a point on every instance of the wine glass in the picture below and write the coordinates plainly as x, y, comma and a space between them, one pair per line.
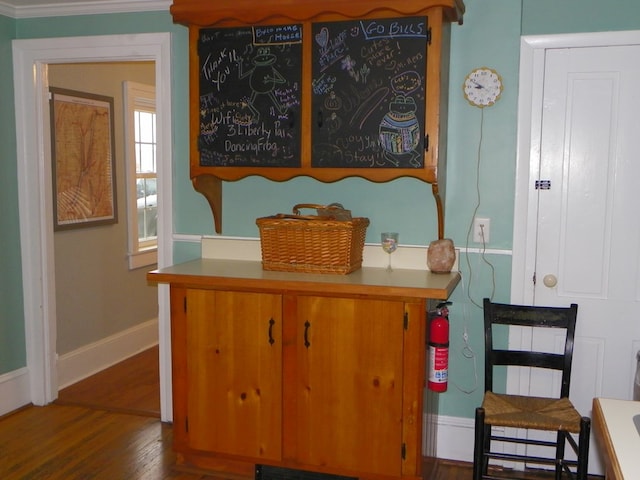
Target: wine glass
389, 241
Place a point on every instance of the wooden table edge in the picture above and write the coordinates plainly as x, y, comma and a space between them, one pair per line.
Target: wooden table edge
602, 435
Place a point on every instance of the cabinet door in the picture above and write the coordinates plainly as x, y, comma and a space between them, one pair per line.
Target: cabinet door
234, 365
350, 384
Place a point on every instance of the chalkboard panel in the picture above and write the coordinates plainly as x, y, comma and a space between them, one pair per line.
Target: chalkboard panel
250, 81
369, 93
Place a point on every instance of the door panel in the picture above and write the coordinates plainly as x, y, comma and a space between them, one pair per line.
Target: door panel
350, 383
234, 373
576, 157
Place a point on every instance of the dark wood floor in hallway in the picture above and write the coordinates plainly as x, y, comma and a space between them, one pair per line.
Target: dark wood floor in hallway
131, 386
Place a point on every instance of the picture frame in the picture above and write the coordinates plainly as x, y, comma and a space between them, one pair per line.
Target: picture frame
83, 159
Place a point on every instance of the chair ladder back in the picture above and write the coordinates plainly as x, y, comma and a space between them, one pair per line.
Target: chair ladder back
529, 316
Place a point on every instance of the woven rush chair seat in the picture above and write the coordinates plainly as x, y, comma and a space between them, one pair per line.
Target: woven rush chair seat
541, 413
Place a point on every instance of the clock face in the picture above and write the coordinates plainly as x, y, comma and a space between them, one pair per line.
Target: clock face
482, 87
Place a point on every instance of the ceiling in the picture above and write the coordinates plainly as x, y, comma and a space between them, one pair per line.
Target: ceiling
50, 8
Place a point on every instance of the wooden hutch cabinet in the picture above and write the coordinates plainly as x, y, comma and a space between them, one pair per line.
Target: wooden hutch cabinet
328, 89
321, 373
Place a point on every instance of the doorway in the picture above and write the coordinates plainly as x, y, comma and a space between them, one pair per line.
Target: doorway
105, 309
31, 58
577, 239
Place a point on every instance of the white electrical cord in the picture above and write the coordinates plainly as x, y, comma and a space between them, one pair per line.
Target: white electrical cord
468, 353
475, 211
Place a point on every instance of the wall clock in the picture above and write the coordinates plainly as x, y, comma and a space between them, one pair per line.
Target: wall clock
482, 87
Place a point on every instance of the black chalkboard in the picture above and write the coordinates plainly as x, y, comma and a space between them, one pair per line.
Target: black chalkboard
368, 97
250, 80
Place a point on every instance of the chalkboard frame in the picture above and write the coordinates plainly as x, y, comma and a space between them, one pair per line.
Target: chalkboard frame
435, 92
198, 14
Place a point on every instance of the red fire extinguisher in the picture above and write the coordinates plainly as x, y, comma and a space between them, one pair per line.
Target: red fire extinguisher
439, 348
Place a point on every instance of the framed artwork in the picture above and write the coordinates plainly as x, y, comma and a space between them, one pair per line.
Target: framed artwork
83, 163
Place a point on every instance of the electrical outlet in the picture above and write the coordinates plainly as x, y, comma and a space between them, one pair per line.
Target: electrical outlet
481, 230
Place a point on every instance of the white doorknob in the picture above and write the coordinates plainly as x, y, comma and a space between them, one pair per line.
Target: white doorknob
550, 281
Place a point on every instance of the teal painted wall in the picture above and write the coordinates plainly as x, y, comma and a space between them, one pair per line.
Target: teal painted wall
12, 347
573, 16
480, 180
489, 37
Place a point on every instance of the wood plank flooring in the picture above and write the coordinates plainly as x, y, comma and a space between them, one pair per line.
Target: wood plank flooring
64, 442
131, 386
87, 437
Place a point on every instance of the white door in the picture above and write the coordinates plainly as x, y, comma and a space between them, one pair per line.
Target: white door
584, 217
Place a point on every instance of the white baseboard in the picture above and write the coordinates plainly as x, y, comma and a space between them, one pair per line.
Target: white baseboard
90, 359
15, 391
454, 438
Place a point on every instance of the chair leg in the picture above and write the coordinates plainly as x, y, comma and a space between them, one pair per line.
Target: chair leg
479, 446
560, 444
583, 448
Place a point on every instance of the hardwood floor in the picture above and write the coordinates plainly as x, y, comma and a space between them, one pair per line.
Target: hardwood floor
64, 442
131, 386
87, 437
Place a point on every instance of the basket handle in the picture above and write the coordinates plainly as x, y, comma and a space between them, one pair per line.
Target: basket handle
331, 206
301, 217
296, 211
296, 208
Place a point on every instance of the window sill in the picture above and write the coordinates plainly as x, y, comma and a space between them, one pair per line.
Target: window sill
143, 258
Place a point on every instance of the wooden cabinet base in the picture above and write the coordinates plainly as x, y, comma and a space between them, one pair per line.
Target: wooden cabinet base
212, 465
315, 373
226, 469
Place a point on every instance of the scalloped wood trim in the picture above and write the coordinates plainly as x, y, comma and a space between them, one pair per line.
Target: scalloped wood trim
207, 13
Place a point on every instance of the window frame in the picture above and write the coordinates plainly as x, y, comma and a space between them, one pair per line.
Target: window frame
141, 97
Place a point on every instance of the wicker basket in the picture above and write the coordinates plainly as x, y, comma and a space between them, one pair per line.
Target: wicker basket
311, 243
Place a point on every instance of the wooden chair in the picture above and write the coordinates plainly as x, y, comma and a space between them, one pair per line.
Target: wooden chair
531, 413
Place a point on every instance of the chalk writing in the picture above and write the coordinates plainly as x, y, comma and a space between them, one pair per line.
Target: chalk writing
250, 80
368, 93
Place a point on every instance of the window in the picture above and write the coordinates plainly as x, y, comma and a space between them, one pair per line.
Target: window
142, 191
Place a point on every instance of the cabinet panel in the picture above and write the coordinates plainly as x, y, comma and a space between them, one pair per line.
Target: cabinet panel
349, 384
234, 368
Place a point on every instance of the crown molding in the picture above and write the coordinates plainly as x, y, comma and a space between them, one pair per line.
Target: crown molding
47, 8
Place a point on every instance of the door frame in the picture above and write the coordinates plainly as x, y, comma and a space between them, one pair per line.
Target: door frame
30, 60
532, 64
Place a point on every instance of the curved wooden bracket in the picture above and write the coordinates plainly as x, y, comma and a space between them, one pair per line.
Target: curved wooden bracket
211, 187
439, 209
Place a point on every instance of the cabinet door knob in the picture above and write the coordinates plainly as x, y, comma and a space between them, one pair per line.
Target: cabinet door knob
306, 334
271, 323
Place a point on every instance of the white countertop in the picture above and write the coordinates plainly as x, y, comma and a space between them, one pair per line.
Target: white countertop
619, 437
211, 273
